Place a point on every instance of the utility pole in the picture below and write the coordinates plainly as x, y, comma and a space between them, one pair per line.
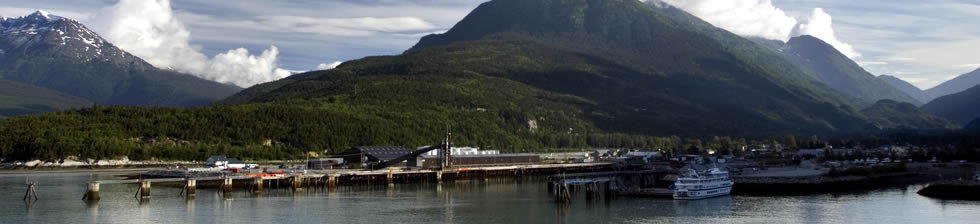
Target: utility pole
447, 150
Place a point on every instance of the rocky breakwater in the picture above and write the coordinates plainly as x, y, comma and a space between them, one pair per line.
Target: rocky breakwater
74, 163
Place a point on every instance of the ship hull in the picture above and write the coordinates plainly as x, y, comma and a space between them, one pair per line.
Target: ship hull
702, 194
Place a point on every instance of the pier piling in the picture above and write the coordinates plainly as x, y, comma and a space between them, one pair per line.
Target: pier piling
297, 183
144, 192
31, 192
93, 192
190, 188
226, 186
389, 178
257, 185
332, 181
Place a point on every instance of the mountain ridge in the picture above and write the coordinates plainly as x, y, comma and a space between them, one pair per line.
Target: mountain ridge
959, 84
823, 62
63, 55
636, 53
961, 107
906, 87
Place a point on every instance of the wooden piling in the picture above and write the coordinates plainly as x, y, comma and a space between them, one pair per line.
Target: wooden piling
31, 192
390, 178
190, 188
226, 185
297, 183
257, 184
332, 181
93, 192
144, 189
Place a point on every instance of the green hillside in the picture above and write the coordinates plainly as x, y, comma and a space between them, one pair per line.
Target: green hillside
889, 114
19, 99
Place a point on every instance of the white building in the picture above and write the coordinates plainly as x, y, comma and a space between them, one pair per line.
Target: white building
461, 151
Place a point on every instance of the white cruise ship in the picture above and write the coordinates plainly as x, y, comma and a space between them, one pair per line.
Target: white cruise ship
694, 185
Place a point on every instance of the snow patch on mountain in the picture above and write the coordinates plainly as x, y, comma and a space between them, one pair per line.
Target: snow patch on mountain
42, 30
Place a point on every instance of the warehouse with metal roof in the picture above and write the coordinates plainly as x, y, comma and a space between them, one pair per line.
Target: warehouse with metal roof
366, 156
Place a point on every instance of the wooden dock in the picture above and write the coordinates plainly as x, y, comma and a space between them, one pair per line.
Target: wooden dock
628, 183
329, 179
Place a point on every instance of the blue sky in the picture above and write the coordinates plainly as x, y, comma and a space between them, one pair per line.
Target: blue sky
924, 42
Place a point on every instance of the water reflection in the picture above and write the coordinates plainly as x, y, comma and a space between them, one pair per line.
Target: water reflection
718, 206
493, 200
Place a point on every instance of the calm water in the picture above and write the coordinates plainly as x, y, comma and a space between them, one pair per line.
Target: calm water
501, 201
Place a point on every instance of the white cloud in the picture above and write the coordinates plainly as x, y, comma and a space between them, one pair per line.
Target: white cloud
362, 26
344, 27
867, 63
325, 66
820, 25
149, 30
898, 58
241, 68
760, 18
975, 65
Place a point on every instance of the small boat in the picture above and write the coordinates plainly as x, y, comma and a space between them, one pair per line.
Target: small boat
694, 185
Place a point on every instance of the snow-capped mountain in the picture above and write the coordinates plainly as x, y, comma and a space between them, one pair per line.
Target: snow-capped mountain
62, 55
46, 34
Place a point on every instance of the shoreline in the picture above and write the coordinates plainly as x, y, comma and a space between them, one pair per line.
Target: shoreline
952, 190
69, 165
777, 186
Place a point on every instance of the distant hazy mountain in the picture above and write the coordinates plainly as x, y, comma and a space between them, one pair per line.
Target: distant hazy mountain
906, 88
961, 107
956, 85
60, 54
825, 63
19, 99
973, 127
889, 114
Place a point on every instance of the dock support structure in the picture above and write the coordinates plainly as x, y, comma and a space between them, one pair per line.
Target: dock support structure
190, 187
31, 193
332, 182
257, 185
562, 193
226, 186
439, 176
297, 183
93, 192
390, 178
144, 192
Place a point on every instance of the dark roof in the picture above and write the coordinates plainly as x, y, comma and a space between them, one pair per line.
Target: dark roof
383, 152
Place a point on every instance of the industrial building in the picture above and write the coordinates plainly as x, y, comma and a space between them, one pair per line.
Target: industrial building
366, 156
322, 164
